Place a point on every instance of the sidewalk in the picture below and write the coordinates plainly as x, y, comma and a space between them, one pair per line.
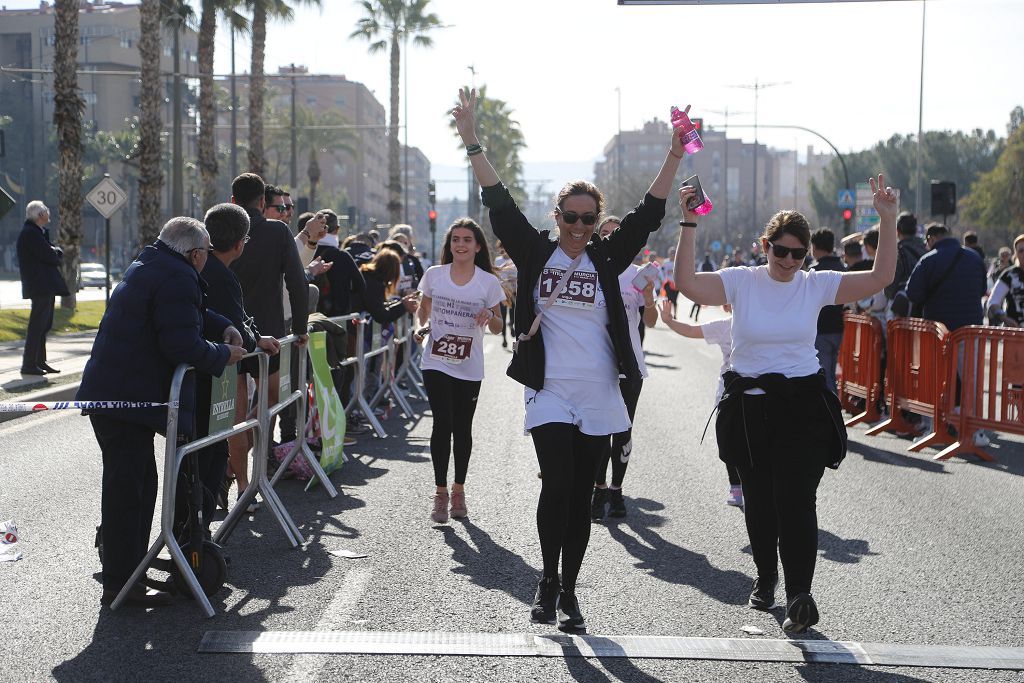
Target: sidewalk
68, 353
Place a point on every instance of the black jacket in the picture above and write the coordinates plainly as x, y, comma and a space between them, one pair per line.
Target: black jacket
949, 290
270, 256
745, 422
530, 250
156, 319
908, 252
372, 301
339, 283
224, 295
830, 318
39, 263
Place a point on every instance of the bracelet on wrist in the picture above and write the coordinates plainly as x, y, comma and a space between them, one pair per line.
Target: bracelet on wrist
677, 156
475, 148
687, 224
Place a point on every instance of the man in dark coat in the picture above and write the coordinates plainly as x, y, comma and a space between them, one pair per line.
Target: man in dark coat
948, 282
39, 262
156, 320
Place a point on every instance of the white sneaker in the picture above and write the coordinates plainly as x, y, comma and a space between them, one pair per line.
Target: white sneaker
981, 439
735, 496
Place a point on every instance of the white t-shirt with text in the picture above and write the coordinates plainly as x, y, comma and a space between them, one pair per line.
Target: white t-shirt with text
774, 323
576, 340
633, 299
455, 343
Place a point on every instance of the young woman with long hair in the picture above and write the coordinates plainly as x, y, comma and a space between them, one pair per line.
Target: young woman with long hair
460, 297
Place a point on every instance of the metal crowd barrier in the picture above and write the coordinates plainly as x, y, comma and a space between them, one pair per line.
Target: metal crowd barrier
992, 386
860, 357
173, 457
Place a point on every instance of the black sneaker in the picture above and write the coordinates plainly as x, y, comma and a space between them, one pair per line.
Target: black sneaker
762, 596
616, 506
543, 610
569, 616
801, 613
597, 504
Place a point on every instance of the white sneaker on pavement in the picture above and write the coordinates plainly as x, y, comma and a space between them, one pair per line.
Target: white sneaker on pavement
981, 439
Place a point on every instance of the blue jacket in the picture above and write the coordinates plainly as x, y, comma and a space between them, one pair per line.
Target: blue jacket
155, 320
39, 263
954, 299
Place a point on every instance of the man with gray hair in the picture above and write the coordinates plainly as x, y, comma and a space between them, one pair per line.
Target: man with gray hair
156, 319
39, 263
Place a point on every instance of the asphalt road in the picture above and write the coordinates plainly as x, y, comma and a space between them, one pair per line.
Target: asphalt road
911, 551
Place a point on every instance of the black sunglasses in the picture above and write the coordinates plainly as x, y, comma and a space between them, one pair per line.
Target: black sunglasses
281, 208
798, 253
570, 217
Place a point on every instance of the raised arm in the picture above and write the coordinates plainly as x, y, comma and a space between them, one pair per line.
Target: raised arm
862, 284
464, 114
662, 185
706, 289
686, 330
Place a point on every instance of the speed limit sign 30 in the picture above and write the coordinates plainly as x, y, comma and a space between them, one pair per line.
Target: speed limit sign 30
107, 197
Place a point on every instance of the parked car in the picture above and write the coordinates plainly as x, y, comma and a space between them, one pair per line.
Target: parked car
92, 275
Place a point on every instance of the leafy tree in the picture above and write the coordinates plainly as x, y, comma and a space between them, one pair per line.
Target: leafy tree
995, 201
262, 10
387, 23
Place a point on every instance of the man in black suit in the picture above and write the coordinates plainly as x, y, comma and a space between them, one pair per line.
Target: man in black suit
39, 262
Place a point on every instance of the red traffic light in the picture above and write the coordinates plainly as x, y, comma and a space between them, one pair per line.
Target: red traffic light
847, 214
432, 215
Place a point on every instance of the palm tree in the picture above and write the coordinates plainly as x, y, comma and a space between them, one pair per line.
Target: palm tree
207, 109
389, 23
325, 133
262, 10
504, 140
151, 177
67, 117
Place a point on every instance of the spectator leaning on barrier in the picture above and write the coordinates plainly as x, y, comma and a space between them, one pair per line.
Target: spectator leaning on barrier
830, 318
908, 251
948, 282
228, 225
39, 263
156, 319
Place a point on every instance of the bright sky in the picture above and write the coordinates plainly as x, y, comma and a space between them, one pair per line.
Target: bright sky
850, 69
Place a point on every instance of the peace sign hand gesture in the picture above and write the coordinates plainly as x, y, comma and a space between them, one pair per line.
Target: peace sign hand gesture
464, 115
884, 199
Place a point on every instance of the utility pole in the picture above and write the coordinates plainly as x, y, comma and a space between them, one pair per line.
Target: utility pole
920, 120
295, 140
177, 173
725, 205
618, 149
234, 111
405, 132
757, 87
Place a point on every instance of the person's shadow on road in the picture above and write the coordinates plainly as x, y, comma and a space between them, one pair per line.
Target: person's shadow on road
673, 563
490, 565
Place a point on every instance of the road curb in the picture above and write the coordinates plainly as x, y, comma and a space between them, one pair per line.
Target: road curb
61, 392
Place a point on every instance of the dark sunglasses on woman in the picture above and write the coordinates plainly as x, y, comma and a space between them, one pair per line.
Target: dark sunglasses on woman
798, 253
570, 217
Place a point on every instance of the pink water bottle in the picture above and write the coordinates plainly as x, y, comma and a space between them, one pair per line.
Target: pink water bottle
687, 132
705, 208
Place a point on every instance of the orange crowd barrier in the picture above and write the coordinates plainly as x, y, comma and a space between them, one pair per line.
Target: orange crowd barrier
917, 369
860, 358
992, 381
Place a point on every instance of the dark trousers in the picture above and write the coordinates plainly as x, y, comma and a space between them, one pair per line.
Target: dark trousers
619, 447
213, 463
128, 497
734, 476
568, 459
40, 320
780, 485
452, 406
508, 312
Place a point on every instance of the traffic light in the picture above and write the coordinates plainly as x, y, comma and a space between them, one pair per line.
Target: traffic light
432, 215
432, 193
698, 124
847, 217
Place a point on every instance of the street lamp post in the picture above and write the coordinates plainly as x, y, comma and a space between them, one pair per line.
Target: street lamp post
757, 87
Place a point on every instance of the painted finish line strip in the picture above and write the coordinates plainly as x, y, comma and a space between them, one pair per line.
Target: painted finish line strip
38, 406
655, 647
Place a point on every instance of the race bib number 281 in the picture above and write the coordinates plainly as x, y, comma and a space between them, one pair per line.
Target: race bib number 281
580, 290
451, 348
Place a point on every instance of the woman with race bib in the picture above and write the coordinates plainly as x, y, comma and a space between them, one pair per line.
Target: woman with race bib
460, 297
572, 346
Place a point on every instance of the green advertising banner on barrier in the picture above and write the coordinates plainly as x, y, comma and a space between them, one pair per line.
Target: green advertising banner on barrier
222, 400
328, 405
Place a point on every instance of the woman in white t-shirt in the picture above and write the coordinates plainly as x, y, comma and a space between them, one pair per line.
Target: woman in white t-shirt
460, 297
778, 422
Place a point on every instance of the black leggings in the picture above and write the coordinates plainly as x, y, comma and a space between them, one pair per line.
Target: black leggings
452, 404
510, 324
567, 459
619, 447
